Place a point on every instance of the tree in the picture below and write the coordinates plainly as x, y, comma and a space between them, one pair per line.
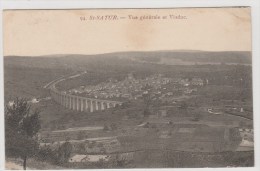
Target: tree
47, 154
146, 112
184, 105
21, 128
81, 135
113, 126
64, 152
120, 162
100, 163
105, 128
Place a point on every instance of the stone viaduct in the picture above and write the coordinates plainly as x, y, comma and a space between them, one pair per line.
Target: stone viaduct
78, 103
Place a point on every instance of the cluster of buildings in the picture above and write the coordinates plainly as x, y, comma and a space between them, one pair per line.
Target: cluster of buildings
247, 136
130, 88
79, 158
98, 145
93, 150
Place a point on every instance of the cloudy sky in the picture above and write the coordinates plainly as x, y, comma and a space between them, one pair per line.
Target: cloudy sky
45, 32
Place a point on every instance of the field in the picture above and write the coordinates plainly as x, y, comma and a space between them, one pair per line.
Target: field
28, 82
162, 159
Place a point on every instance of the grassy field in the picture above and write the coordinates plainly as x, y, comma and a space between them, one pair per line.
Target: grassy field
166, 158
28, 82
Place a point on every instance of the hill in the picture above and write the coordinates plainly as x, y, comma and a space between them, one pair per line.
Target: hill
160, 57
25, 75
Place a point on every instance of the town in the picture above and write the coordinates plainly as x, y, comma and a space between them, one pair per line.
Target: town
157, 86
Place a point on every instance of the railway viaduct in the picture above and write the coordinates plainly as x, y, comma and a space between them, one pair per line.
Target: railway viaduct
78, 103
81, 104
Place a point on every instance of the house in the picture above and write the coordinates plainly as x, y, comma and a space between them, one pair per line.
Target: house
10, 103
247, 142
184, 82
126, 156
197, 81
188, 91
170, 93
78, 158
95, 147
162, 113
102, 146
34, 100
165, 134
126, 95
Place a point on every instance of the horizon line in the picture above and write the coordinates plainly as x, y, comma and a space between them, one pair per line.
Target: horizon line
179, 50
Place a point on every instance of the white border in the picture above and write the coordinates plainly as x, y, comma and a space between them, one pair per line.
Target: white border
73, 4
80, 4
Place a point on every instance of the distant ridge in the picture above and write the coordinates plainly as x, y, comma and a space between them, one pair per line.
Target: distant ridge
125, 52
168, 57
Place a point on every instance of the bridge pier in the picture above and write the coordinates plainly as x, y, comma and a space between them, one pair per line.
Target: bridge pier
96, 105
86, 105
70, 102
67, 102
74, 103
62, 100
78, 103
99, 105
81, 105
54, 96
91, 106
108, 105
102, 106
59, 98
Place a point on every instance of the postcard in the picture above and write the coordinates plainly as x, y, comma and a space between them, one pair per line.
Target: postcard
128, 88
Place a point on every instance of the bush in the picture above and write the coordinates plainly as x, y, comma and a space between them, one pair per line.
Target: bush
106, 128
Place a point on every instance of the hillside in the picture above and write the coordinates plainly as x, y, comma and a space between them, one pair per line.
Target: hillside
26, 76
180, 57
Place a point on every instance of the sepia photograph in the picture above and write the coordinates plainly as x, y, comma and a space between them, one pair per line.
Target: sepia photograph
128, 88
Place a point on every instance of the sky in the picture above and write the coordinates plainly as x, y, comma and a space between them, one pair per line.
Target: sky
46, 32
